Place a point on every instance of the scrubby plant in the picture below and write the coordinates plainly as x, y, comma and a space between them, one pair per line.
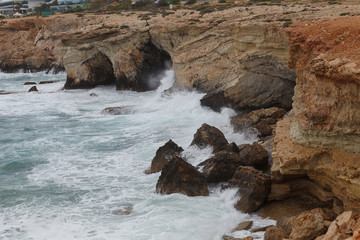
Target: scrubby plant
162, 3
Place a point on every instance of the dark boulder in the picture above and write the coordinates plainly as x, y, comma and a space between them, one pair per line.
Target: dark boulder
263, 120
33, 89
232, 147
93, 95
179, 176
215, 101
208, 135
254, 155
221, 167
253, 188
29, 83
163, 155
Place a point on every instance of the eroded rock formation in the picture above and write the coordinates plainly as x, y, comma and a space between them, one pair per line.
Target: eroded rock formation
320, 138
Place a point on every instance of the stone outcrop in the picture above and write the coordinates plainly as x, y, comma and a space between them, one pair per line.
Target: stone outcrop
209, 136
254, 155
253, 185
221, 167
163, 155
320, 138
179, 176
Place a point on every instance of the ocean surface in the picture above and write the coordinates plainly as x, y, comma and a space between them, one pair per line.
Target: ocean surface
68, 171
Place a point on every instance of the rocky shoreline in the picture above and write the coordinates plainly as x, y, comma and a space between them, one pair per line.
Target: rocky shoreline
306, 115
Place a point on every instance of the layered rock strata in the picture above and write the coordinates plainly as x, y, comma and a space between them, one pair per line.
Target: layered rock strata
320, 139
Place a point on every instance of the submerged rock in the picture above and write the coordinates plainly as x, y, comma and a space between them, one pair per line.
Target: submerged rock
208, 135
221, 167
33, 89
29, 83
179, 176
123, 211
163, 155
117, 111
253, 188
93, 95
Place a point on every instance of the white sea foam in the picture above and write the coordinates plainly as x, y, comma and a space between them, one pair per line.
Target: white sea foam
85, 165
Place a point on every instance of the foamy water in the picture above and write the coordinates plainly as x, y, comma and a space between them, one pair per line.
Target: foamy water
65, 167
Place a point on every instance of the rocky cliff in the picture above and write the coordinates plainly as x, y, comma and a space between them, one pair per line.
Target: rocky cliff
238, 56
320, 139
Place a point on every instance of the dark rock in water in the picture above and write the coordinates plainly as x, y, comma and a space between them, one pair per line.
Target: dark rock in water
275, 233
221, 167
117, 111
232, 147
254, 155
163, 155
208, 135
253, 187
215, 101
46, 82
93, 95
243, 226
29, 83
33, 89
123, 211
264, 120
179, 176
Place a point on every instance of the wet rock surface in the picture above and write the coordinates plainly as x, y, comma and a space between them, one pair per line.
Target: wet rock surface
178, 176
117, 110
254, 155
33, 89
163, 155
208, 135
221, 167
253, 187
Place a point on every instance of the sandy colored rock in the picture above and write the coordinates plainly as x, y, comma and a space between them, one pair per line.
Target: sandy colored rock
275, 233
243, 226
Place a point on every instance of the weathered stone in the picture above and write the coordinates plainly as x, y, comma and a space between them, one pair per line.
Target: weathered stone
208, 135
226, 237
254, 155
96, 70
275, 233
232, 147
309, 225
221, 167
163, 155
260, 229
286, 223
243, 226
33, 89
254, 186
179, 176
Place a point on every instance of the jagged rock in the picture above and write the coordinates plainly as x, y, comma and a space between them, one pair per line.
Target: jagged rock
254, 155
208, 135
275, 233
264, 120
253, 185
47, 82
221, 167
93, 95
179, 176
243, 226
117, 111
232, 147
163, 155
29, 83
33, 89
310, 224
345, 226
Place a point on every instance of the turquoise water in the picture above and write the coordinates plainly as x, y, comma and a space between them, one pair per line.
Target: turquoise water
65, 167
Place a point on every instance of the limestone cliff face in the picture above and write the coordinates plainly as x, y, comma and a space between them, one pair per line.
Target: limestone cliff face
321, 136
